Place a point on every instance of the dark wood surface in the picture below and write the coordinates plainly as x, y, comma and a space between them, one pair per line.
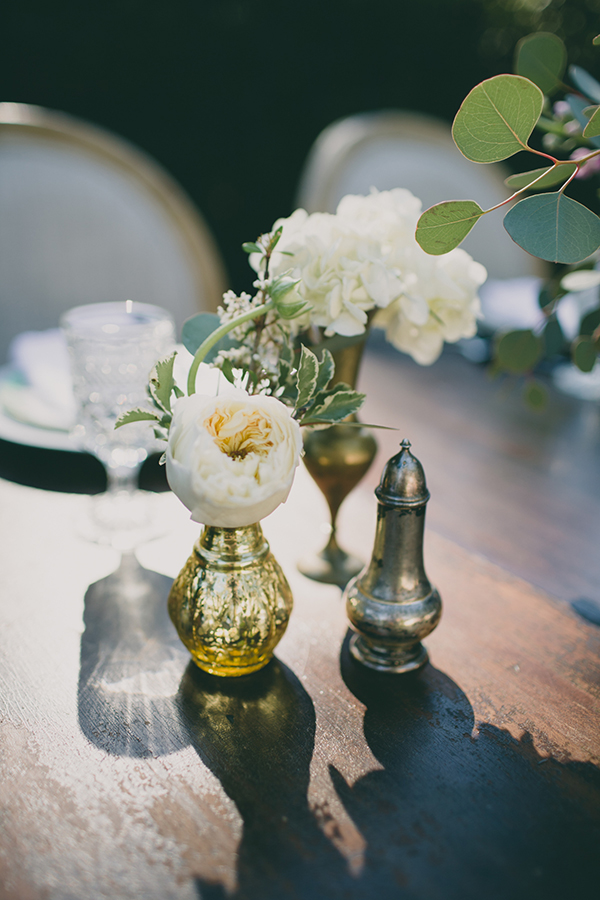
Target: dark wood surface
125, 772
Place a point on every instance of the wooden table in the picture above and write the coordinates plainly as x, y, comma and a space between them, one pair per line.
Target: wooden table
127, 773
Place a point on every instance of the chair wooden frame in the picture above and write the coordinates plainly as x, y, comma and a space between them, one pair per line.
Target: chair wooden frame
198, 243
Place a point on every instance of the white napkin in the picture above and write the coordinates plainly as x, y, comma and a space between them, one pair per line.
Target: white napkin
42, 395
39, 391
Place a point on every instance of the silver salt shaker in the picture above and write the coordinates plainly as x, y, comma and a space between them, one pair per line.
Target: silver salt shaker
392, 605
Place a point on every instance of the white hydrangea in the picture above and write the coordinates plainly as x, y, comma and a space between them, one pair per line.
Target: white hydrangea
364, 258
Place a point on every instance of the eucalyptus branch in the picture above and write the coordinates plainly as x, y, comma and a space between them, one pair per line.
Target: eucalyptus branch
582, 159
553, 160
495, 121
570, 178
557, 162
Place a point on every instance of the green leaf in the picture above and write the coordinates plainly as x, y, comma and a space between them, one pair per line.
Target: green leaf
137, 415
275, 238
518, 351
326, 371
334, 407
497, 117
541, 57
252, 247
307, 376
554, 339
556, 175
584, 353
281, 286
367, 425
546, 296
284, 371
287, 305
441, 228
227, 370
586, 84
554, 227
596, 41
578, 105
592, 129
535, 395
162, 383
590, 322
198, 328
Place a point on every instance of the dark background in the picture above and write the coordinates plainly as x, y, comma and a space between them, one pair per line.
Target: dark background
230, 94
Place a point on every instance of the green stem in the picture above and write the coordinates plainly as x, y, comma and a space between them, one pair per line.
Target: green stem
216, 336
557, 162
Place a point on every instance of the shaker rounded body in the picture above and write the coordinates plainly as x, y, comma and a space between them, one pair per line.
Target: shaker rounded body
392, 605
392, 630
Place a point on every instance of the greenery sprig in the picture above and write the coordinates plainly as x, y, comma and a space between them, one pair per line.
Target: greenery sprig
496, 121
300, 379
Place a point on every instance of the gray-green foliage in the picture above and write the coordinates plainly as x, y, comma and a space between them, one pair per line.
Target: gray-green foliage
162, 390
316, 403
301, 382
298, 379
494, 122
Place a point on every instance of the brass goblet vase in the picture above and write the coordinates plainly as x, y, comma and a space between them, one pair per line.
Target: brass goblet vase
337, 458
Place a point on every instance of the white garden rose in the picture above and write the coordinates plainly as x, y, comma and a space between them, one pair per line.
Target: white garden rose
231, 459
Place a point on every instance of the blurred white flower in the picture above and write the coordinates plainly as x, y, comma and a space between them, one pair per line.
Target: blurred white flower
364, 258
447, 288
231, 459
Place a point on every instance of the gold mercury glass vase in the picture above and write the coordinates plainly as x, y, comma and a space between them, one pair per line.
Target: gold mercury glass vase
231, 601
337, 458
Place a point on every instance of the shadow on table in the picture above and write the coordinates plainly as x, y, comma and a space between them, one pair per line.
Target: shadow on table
130, 665
451, 815
257, 735
455, 814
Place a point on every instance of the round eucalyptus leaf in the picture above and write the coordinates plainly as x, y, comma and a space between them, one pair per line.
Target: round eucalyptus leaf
546, 296
592, 129
518, 351
554, 339
586, 84
541, 57
441, 228
578, 106
584, 354
596, 41
198, 328
590, 322
554, 175
554, 227
535, 395
497, 117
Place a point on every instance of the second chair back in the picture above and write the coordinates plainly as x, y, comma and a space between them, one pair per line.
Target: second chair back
392, 149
